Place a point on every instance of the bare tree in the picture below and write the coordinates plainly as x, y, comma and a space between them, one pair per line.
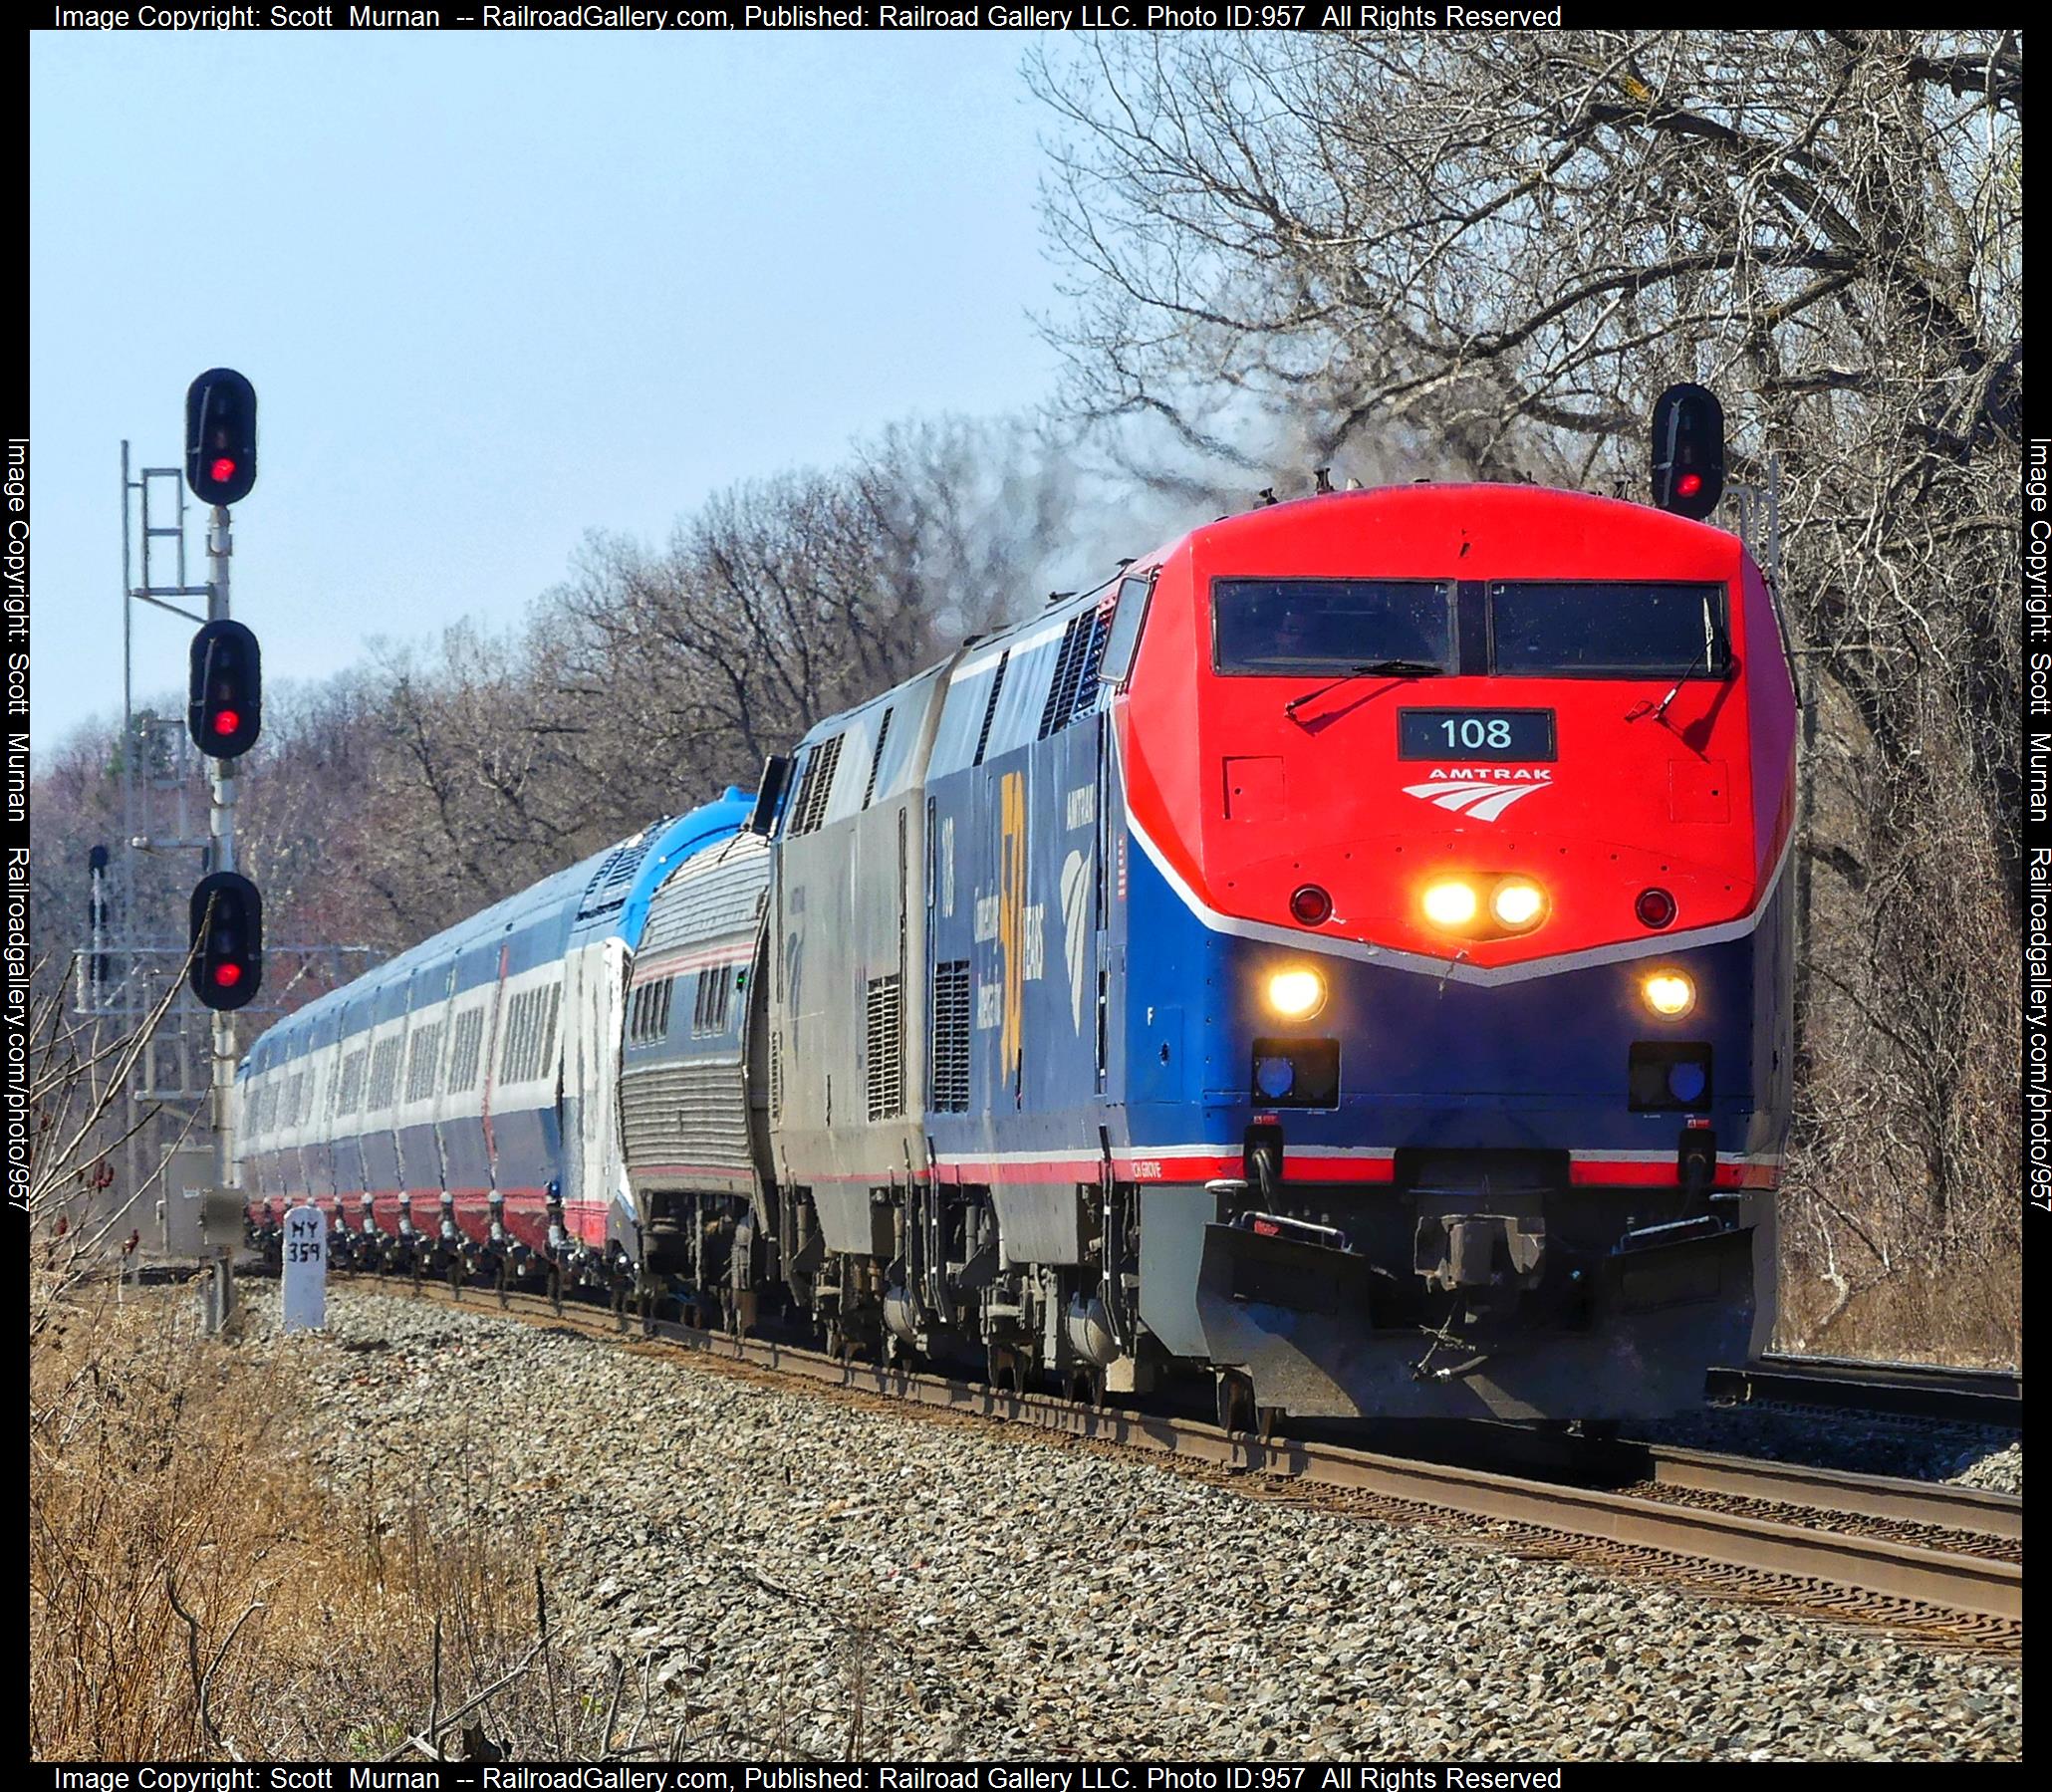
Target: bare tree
1487, 255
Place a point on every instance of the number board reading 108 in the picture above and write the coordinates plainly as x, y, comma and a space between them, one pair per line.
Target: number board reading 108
1474, 734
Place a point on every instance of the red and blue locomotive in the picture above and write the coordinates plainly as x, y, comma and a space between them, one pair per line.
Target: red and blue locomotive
1346, 956
1458, 952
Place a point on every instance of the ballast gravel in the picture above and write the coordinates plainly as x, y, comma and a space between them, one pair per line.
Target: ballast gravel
1862, 1443
811, 1575
2000, 1471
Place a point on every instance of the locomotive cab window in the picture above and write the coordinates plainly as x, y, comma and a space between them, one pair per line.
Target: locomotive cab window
1276, 626
1608, 629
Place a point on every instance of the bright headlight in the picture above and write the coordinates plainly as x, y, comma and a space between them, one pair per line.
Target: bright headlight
1669, 993
1450, 904
1296, 994
1519, 903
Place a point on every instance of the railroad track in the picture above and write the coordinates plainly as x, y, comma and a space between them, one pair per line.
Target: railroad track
1930, 1558
1984, 1397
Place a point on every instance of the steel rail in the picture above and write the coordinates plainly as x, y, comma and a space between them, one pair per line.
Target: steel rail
1848, 1563
1943, 1505
1987, 1397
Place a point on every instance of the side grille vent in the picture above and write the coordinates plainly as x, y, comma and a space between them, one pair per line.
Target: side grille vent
869, 790
465, 1048
776, 1076
951, 1037
1061, 692
997, 684
818, 786
385, 1073
423, 1058
885, 1062
351, 1097
613, 880
1088, 660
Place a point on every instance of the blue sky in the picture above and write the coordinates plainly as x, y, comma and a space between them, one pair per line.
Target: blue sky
493, 292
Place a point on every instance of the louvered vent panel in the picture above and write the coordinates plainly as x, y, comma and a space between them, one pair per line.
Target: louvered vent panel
1093, 656
776, 1076
609, 888
1061, 693
384, 1066
681, 1114
886, 1061
352, 1082
422, 1058
951, 1037
869, 790
818, 785
997, 684
546, 1058
465, 1049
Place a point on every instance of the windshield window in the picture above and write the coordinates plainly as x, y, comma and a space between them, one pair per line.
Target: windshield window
1278, 626
1610, 628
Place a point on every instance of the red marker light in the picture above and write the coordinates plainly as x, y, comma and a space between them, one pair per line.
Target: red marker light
223, 470
226, 722
1690, 484
228, 975
1310, 905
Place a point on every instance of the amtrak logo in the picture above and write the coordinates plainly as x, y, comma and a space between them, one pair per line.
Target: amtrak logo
1483, 795
1075, 912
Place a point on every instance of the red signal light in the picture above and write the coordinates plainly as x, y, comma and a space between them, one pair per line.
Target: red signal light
1656, 907
226, 722
1689, 485
228, 975
222, 470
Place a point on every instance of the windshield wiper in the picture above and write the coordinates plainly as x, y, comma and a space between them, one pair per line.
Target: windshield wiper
1374, 669
1720, 663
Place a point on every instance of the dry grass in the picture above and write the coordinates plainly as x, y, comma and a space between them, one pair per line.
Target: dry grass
1966, 1314
194, 1595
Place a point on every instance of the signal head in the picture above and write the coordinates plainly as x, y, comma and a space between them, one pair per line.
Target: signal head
228, 935
224, 710
220, 437
1688, 451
